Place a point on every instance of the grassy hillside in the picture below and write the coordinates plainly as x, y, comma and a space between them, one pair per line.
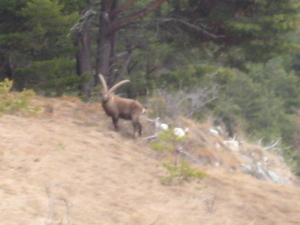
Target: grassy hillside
67, 166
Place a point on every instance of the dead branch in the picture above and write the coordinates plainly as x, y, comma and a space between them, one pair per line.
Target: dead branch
126, 5
86, 17
156, 126
272, 144
133, 16
210, 202
183, 152
68, 210
193, 26
51, 216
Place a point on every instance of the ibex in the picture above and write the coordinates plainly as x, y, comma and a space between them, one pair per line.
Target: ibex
117, 107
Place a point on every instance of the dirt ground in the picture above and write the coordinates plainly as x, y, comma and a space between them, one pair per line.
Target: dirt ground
67, 166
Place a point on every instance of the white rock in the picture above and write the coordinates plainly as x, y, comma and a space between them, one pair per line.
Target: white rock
179, 132
232, 144
276, 178
213, 132
164, 126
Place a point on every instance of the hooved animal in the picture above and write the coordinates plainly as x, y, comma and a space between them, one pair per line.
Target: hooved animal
117, 107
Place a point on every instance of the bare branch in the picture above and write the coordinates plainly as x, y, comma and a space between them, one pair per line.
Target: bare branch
197, 26
150, 137
86, 17
156, 126
183, 152
123, 7
272, 145
68, 211
210, 202
201, 96
193, 26
187, 102
119, 55
51, 205
126, 63
152, 6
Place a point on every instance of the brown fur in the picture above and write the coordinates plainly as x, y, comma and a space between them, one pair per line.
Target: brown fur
117, 107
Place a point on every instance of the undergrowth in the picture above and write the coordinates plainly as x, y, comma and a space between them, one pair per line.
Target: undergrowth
181, 171
178, 174
16, 102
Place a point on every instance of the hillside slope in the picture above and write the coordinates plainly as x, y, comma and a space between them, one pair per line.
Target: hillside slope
67, 166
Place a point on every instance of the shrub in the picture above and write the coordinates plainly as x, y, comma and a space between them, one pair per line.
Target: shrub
181, 173
178, 173
12, 102
166, 141
188, 102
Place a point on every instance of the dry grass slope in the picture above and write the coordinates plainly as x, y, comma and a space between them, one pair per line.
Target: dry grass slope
67, 166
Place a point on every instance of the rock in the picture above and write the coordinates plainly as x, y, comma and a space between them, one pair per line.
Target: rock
276, 178
232, 144
213, 132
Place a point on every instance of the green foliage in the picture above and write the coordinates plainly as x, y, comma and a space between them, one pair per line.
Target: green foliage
169, 136
158, 146
33, 32
255, 28
52, 77
166, 141
261, 101
71, 6
5, 86
16, 102
178, 174
39, 28
46, 28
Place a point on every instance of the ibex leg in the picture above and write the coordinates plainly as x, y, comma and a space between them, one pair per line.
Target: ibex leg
137, 128
115, 122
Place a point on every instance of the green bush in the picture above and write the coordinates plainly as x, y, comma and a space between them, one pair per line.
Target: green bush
12, 102
178, 174
166, 141
157, 146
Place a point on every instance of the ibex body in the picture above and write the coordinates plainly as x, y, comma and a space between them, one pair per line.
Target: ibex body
117, 107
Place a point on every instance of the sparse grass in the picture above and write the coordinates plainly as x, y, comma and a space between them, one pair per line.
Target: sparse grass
62, 146
157, 146
102, 177
12, 102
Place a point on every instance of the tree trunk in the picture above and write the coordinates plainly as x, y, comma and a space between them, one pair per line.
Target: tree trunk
106, 41
110, 23
8, 68
83, 55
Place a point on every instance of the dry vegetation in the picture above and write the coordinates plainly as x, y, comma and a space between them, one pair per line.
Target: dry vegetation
67, 166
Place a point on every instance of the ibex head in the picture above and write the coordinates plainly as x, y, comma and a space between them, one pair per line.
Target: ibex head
106, 94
